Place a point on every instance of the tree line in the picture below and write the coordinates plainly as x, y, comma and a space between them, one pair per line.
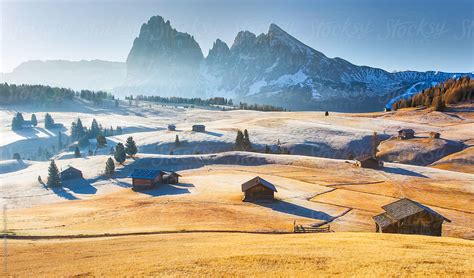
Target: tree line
441, 95
47, 95
182, 100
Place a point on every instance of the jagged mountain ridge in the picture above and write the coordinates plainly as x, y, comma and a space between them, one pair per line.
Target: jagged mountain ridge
271, 68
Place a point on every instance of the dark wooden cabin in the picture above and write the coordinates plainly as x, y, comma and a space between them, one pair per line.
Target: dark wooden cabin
367, 161
406, 133
406, 216
145, 178
199, 128
435, 135
70, 173
171, 127
170, 177
258, 189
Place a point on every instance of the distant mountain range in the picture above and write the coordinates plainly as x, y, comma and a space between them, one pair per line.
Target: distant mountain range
272, 68
77, 75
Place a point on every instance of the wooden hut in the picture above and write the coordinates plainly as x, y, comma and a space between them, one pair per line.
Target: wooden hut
199, 128
435, 135
367, 161
145, 178
406, 133
171, 127
71, 173
258, 189
170, 177
406, 216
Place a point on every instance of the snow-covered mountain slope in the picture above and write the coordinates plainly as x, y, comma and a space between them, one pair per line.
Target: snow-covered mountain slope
273, 68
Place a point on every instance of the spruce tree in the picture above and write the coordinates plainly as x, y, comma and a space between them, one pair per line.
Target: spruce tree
16, 124
130, 147
176, 141
239, 141
34, 121
247, 144
20, 118
48, 121
120, 154
109, 167
77, 152
79, 129
54, 179
95, 129
101, 141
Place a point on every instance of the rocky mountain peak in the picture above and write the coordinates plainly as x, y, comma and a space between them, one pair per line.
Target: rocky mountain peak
243, 40
219, 48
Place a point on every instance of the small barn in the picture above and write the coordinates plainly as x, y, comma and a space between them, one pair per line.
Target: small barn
170, 177
258, 189
199, 128
406, 216
171, 127
71, 173
406, 133
367, 161
435, 135
145, 178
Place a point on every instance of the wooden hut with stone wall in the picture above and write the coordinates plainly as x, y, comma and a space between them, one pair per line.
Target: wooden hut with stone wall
406, 216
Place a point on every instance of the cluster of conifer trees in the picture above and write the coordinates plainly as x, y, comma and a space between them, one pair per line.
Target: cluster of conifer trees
438, 97
182, 100
260, 107
242, 141
43, 95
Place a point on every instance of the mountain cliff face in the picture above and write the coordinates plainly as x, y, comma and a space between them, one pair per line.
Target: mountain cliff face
273, 68
163, 60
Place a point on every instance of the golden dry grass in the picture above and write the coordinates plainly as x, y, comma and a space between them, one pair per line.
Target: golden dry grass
216, 203
222, 254
462, 161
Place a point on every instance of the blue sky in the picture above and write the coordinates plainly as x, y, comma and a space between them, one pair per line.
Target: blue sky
393, 35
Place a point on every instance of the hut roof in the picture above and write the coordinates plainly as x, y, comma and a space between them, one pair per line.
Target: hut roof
70, 169
146, 174
401, 209
256, 181
169, 173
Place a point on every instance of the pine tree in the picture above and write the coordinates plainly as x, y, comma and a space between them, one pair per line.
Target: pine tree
54, 179
16, 124
109, 167
34, 121
77, 152
20, 118
247, 144
176, 141
95, 129
101, 141
239, 141
438, 103
120, 154
79, 129
48, 121
130, 147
